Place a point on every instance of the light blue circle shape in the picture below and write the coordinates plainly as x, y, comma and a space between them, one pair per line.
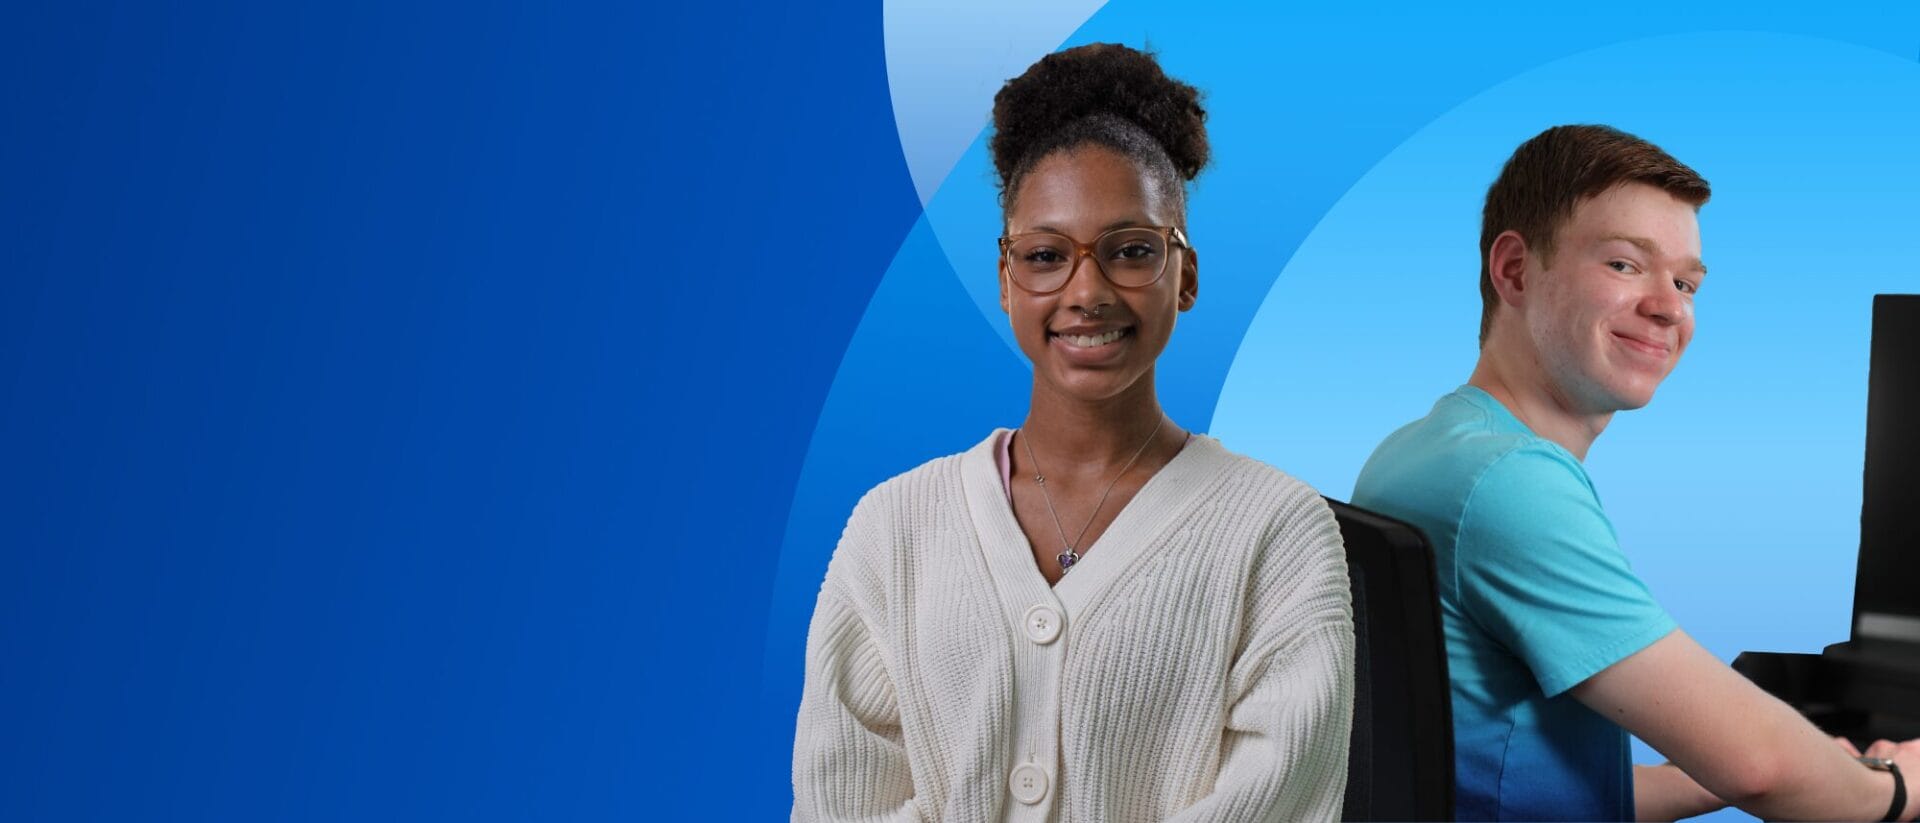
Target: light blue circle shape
1736, 493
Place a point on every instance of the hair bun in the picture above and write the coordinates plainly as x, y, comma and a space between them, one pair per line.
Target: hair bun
1097, 79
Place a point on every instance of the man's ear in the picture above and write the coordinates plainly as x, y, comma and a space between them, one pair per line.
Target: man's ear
1507, 267
1189, 279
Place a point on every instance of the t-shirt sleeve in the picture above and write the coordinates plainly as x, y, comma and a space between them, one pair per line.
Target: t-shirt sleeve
1540, 570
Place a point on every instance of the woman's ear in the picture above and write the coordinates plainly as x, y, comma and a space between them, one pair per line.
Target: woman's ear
1189, 279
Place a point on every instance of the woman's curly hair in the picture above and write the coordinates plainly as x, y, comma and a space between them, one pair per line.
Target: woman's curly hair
1102, 93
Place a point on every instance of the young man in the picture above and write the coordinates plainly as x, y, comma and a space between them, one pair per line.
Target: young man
1590, 261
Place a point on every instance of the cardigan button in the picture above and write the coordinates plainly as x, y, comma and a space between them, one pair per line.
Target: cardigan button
1042, 624
1028, 783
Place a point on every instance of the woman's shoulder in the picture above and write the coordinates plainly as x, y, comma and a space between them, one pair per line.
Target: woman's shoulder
1264, 486
904, 511
1302, 559
1292, 515
940, 479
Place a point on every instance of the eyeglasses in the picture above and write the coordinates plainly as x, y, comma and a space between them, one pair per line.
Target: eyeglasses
1133, 257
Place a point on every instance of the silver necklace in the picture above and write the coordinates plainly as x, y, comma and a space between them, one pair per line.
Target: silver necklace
1071, 556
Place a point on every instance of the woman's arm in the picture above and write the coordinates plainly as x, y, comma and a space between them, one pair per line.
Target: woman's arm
849, 756
849, 759
1284, 750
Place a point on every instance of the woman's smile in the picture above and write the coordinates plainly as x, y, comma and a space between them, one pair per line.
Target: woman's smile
1089, 338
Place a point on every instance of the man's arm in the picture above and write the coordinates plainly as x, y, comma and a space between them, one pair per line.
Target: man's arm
1740, 743
1664, 792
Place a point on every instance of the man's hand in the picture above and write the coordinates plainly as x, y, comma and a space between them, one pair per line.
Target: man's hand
1907, 756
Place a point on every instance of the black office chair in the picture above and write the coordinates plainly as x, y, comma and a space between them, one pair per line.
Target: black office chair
1400, 766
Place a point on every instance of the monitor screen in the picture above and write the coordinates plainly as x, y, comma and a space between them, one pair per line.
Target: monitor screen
1886, 595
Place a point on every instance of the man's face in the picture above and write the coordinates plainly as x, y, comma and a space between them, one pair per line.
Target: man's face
1614, 307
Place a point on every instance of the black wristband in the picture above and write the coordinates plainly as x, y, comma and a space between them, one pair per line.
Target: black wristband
1899, 792
1886, 764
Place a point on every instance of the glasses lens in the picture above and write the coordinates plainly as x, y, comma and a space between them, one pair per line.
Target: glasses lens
1040, 262
1132, 257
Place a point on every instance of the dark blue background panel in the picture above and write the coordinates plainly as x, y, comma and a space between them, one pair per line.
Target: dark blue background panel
399, 405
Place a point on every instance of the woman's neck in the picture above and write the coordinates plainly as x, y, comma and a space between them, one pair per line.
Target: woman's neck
1097, 436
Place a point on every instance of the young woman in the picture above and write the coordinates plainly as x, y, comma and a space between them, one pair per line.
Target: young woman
1099, 616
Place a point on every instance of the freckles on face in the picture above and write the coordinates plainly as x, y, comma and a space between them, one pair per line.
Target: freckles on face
1091, 338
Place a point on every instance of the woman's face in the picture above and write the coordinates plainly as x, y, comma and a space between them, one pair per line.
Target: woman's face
1092, 340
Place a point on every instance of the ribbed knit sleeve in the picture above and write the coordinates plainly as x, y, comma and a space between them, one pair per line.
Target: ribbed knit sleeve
849, 757
1284, 750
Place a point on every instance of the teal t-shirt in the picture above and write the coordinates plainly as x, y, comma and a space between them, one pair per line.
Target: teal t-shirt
1535, 597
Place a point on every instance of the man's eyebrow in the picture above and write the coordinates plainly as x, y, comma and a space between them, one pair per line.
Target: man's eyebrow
1651, 248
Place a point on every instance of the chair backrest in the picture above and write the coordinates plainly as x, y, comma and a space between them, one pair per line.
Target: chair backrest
1400, 766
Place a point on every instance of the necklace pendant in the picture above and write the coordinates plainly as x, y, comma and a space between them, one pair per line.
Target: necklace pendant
1067, 559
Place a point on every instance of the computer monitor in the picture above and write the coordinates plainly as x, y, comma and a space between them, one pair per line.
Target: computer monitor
1886, 594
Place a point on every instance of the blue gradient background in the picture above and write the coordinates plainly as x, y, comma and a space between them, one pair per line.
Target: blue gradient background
447, 410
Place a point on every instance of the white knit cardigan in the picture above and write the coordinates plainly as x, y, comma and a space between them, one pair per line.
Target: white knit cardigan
1196, 665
